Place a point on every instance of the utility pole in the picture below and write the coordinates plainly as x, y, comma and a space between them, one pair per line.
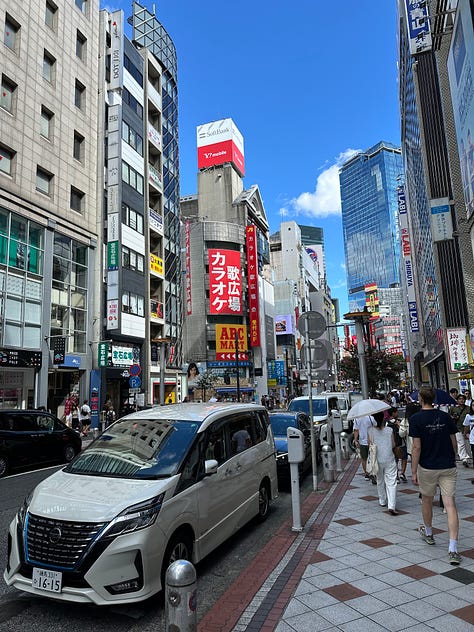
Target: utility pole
237, 363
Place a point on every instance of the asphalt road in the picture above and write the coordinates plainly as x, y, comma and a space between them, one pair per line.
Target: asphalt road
21, 611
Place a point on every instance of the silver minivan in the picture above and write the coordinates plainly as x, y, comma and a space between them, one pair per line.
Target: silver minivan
162, 484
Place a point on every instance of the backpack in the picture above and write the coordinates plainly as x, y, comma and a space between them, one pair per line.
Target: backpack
396, 434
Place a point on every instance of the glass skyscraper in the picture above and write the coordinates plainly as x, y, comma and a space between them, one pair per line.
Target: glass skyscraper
368, 183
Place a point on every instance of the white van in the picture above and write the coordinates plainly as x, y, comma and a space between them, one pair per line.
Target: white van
323, 406
166, 483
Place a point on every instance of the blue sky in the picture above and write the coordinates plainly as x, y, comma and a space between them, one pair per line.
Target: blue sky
306, 82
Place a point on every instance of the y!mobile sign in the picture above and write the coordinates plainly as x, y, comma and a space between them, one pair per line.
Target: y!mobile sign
225, 282
220, 142
252, 274
406, 251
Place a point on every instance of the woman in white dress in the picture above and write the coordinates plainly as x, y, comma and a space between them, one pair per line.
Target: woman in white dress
382, 437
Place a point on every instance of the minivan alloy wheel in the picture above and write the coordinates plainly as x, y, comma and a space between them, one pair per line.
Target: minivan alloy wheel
3, 465
263, 502
180, 547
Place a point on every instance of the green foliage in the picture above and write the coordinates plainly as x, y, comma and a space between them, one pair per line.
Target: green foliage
382, 367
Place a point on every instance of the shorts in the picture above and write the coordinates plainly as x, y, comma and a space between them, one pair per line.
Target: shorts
446, 479
364, 452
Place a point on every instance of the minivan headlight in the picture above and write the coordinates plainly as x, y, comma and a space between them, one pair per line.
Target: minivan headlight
134, 518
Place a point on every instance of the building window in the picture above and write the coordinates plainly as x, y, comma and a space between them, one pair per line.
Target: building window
50, 15
132, 260
12, 29
131, 137
132, 219
130, 100
79, 95
133, 304
48, 67
78, 150
44, 181
81, 42
7, 95
77, 200
46, 123
133, 70
21, 246
6, 160
82, 5
132, 178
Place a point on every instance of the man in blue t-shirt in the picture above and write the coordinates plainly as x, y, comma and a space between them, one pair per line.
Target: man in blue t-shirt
433, 462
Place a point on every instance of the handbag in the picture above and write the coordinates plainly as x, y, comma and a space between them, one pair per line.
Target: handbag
398, 452
372, 466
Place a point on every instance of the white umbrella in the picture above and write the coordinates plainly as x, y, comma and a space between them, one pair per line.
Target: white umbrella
367, 407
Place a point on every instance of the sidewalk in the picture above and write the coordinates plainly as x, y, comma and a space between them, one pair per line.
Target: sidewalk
356, 567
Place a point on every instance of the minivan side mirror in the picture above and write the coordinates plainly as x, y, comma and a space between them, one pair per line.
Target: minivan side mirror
210, 467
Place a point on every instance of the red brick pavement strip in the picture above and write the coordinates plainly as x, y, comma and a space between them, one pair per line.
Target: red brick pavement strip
226, 612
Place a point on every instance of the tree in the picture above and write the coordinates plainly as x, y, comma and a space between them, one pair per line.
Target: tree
382, 367
205, 381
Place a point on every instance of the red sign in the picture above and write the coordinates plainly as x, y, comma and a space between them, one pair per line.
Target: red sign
220, 153
231, 356
225, 282
252, 274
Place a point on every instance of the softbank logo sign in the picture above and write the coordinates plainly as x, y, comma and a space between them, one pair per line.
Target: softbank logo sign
212, 134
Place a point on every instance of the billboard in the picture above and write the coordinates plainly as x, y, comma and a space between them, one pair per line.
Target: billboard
252, 276
441, 220
372, 299
225, 282
284, 325
226, 336
460, 73
220, 142
458, 359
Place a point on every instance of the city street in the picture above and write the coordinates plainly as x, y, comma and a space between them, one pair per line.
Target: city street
21, 611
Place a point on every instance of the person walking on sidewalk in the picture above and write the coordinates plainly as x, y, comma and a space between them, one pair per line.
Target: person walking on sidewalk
383, 438
433, 462
361, 427
458, 413
400, 450
469, 430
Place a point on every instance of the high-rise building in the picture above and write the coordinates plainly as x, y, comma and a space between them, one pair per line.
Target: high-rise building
229, 294
368, 183
49, 199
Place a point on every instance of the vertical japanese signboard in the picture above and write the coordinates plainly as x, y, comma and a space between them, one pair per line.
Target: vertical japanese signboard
406, 252
187, 247
225, 282
418, 25
458, 359
252, 274
441, 220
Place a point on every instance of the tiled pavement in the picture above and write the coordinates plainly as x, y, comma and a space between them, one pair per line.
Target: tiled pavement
356, 567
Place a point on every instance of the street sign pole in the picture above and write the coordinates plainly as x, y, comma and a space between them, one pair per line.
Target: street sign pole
237, 362
314, 460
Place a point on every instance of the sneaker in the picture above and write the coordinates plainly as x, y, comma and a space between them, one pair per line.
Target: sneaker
403, 478
427, 538
454, 558
367, 476
393, 512
465, 463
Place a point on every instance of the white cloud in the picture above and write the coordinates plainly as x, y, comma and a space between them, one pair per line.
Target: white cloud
326, 198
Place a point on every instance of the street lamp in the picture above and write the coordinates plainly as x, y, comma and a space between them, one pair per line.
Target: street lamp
360, 318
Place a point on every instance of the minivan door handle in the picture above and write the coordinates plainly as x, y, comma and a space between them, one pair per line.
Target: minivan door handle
238, 467
228, 472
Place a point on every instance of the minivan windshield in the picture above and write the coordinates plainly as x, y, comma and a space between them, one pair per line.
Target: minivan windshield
137, 449
320, 406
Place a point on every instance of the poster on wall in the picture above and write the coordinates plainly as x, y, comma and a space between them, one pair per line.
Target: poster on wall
458, 359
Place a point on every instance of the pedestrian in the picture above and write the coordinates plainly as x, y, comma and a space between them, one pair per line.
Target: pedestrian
75, 419
109, 415
400, 449
85, 417
433, 462
382, 437
458, 413
361, 427
469, 430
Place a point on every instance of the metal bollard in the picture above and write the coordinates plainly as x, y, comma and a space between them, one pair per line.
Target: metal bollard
181, 598
345, 445
328, 457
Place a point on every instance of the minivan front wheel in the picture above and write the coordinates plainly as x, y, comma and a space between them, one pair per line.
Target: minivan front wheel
263, 502
180, 547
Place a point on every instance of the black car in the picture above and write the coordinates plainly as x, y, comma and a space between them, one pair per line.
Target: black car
34, 437
280, 422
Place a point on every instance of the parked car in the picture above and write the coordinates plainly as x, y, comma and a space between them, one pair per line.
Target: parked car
323, 404
167, 483
280, 422
33, 437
